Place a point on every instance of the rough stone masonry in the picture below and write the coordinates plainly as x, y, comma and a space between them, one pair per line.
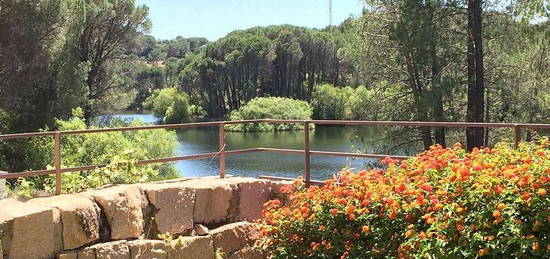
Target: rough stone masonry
213, 217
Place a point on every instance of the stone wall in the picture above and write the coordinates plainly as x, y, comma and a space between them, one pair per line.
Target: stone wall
211, 217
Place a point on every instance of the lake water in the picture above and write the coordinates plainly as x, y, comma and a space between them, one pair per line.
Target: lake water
332, 138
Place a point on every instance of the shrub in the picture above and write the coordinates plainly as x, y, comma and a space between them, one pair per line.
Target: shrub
371, 103
329, 102
173, 106
117, 150
179, 110
271, 108
443, 203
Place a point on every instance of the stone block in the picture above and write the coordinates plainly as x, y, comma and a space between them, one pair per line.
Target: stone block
232, 237
173, 204
201, 230
32, 230
146, 249
111, 250
79, 220
87, 253
6, 232
123, 206
212, 200
248, 252
68, 255
253, 193
193, 248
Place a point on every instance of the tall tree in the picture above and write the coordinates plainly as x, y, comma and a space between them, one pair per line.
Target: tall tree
476, 82
110, 27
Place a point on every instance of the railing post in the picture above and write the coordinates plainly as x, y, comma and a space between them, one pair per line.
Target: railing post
221, 143
517, 135
307, 172
57, 161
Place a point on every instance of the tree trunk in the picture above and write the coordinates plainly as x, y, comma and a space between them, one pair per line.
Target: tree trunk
439, 133
476, 88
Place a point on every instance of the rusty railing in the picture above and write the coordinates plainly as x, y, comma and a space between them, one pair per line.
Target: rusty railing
222, 153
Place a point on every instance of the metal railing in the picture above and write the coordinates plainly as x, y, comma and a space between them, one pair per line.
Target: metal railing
222, 153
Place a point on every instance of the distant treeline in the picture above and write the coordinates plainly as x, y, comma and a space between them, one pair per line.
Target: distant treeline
220, 76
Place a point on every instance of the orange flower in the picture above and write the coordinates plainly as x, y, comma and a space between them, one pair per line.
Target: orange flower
496, 213
460, 227
535, 246
541, 192
365, 229
334, 212
426, 187
501, 206
482, 252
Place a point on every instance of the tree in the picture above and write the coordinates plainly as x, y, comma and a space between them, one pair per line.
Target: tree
476, 83
172, 106
40, 76
262, 61
409, 43
110, 26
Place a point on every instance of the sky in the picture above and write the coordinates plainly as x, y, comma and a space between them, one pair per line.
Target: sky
214, 19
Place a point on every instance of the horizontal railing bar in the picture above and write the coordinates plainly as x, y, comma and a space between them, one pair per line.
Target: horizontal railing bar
281, 150
378, 156
26, 174
146, 161
139, 162
534, 126
429, 124
149, 127
279, 178
177, 158
319, 122
241, 151
28, 135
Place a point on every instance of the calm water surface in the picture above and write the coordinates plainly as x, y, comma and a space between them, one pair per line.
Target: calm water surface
202, 140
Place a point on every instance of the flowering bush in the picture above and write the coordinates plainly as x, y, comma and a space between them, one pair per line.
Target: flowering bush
443, 203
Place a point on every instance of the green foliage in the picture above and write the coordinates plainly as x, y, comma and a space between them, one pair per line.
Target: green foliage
283, 60
117, 150
271, 108
178, 111
110, 29
328, 103
173, 106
